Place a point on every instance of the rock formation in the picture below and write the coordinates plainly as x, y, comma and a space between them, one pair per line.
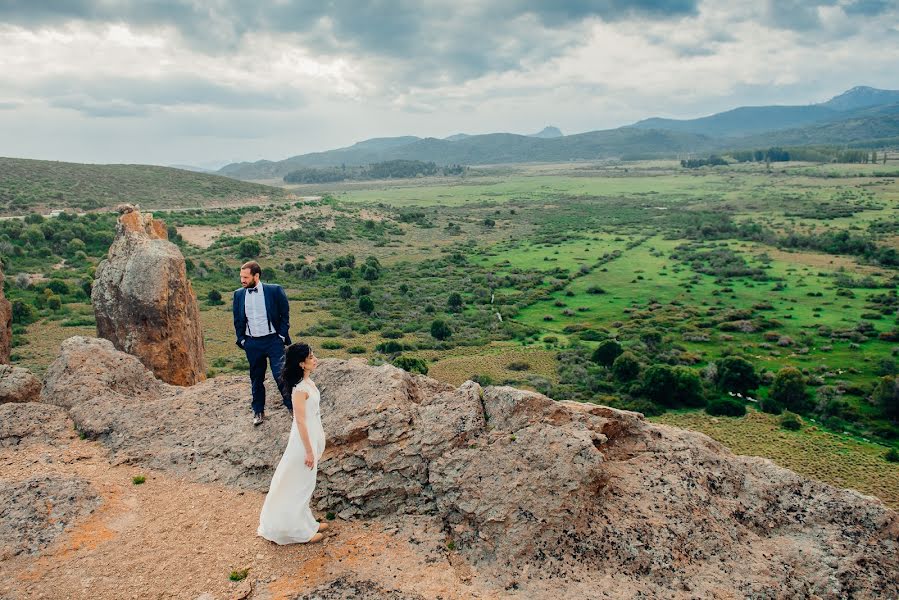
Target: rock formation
5, 323
17, 384
558, 498
144, 303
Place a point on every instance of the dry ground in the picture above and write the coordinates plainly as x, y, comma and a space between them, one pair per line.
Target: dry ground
170, 538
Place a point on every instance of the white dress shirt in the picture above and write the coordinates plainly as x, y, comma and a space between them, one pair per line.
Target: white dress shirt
257, 317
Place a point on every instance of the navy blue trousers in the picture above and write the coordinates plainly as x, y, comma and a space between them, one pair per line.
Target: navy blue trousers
259, 351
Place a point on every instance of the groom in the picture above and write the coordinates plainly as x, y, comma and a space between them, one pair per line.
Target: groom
261, 322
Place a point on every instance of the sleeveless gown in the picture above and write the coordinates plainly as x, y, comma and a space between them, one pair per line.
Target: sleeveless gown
286, 517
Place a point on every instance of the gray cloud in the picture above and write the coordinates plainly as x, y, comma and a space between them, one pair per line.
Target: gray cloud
125, 96
436, 40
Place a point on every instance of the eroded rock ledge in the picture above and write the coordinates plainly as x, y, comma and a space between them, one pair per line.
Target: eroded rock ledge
526, 487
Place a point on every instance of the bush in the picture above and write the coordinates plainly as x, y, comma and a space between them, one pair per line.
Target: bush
54, 302
214, 297
345, 292
392, 334
389, 347
440, 330
606, 353
892, 455
725, 407
454, 302
356, 350
518, 365
22, 314
771, 406
344, 273
626, 367
885, 395
413, 365
366, 304
736, 374
640, 405
790, 421
331, 345
788, 389
58, 286
248, 248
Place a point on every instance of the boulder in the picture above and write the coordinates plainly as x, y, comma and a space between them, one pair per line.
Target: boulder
18, 384
144, 303
5, 323
534, 492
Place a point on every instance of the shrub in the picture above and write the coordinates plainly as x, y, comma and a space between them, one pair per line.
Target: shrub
626, 367
518, 365
606, 353
892, 455
790, 421
214, 297
771, 406
366, 304
885, 395
248, 248
58, 286
483, 380
725, 407
640, 405
344, 273
390, 347
413, 365
440, 330
392, 334
356, 350
736, 374
454, 302
138, 479
54, 302
22, 314
331, 345
238, 574
345, 292
788, 389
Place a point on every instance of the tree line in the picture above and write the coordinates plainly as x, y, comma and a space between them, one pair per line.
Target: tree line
391, 169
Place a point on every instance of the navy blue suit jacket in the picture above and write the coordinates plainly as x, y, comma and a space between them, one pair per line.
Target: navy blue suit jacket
276, 306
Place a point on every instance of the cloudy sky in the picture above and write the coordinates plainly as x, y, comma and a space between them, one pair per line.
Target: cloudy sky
208, 82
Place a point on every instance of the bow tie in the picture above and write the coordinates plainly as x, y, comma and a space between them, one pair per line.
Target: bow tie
252, 290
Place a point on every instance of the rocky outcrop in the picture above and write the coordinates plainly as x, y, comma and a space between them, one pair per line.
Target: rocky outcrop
17, 384
145, 304
544, 495
33, 422
5, 323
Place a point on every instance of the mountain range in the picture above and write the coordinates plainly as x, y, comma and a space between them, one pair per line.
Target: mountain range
858, 116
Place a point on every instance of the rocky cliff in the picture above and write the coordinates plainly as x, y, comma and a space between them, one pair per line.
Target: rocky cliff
550, 498
144, 303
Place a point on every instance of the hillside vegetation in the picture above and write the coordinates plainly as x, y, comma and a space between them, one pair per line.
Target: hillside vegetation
35, 185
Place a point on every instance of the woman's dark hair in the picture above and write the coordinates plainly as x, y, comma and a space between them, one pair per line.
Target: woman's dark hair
292, 373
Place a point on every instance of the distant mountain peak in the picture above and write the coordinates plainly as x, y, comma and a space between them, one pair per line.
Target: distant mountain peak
861, 96
548, 132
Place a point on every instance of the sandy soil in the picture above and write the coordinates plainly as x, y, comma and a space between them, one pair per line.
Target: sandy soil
200, 235
169, 538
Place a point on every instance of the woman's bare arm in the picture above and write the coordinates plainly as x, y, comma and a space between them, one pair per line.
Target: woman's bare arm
299, 414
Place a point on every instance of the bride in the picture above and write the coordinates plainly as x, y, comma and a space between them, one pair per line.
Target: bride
286, 517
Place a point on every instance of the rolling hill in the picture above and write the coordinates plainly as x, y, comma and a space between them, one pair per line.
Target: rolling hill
28, 185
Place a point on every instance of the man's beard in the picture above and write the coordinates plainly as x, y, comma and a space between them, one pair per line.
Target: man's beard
249, 285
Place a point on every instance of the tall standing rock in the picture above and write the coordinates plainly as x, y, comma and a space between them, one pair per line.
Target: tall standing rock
144, 303
5, 323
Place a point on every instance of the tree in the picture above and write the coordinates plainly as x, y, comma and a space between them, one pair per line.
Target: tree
626, 367
345, 292
736, 374
249, 248
454, 302
214, 297
440, 330
687, 387
344, 273
788, 389
488, 222
607, 352
54, 302
886, 395
22, 314
658, 384
366, 304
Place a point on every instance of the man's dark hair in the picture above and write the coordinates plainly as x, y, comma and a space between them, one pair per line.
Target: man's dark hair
253, 266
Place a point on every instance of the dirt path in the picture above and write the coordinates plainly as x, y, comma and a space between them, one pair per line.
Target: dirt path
169, 538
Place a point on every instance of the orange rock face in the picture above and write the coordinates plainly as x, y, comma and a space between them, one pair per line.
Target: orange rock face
145, 304
5, 324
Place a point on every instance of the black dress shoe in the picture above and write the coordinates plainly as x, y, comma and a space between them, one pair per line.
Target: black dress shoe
258, 418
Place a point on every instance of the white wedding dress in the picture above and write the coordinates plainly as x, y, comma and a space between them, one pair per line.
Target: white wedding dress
286, 517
